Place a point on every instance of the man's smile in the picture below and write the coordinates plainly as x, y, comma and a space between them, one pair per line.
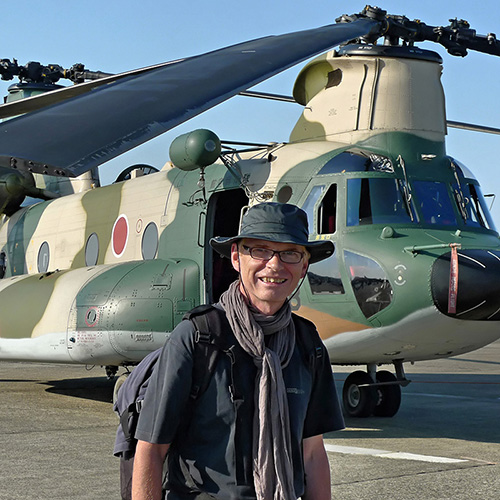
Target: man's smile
272, 280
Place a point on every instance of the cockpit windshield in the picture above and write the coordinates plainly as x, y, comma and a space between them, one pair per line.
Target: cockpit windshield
436, 206
382, 197
434, 203
378, 200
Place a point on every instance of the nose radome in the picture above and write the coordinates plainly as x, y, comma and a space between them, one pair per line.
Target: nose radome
478, 293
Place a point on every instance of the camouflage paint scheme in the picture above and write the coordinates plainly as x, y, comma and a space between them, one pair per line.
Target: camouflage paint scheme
122, 306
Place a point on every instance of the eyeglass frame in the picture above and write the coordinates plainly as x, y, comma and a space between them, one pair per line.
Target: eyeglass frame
274, 252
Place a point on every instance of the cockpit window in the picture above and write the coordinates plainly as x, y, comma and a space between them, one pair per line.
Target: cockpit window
434, 203
469, 198
378, 200
308, 207
474, 209
327, 213
324, 219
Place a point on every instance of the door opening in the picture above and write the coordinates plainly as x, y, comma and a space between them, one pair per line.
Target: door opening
223, 219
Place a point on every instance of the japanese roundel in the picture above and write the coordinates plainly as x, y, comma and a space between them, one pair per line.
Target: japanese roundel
120, 235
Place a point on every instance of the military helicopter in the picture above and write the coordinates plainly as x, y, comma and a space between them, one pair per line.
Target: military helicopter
109, 271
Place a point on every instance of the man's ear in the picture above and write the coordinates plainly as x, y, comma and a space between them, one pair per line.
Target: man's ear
235, 261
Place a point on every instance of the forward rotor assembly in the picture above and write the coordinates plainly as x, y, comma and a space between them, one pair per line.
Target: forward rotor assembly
68, 131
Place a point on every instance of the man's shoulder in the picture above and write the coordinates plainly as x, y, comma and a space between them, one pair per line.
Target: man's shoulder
304, 323
203, 324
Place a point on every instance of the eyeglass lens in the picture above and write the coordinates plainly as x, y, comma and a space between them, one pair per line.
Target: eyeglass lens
286, 256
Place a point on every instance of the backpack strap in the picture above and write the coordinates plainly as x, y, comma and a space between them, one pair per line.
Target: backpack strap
213, 335
310, 344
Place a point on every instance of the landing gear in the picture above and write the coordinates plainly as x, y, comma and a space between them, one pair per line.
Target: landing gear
119, 382
373, 393
358, 396
111, 373
389, 396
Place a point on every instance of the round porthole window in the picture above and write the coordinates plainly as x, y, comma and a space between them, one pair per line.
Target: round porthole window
284, 194
92, 250
150, 241
43, 258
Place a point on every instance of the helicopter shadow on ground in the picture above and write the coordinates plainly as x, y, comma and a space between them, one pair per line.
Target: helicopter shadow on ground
454, 406
92, 388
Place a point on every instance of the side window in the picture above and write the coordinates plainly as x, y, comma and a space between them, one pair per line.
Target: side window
309, 204
469, 198
327, 215
324, 277
43, 257
474, 209
149, 245
92, 250
369, 282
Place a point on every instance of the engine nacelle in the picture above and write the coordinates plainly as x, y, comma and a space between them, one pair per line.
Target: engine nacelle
117, 313
133, 306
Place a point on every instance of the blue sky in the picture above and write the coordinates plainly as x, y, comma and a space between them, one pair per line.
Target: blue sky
115, 36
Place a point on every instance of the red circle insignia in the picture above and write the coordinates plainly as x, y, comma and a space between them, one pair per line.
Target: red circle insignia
120, 235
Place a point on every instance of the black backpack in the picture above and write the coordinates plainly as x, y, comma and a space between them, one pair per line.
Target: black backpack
210, 340
213, 335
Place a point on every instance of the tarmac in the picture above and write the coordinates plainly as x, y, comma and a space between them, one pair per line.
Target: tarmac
58, 430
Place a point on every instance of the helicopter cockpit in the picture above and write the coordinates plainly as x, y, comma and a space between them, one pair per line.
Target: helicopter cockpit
376, 195
374, 190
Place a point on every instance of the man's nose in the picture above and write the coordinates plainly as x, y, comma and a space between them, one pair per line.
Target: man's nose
274, 261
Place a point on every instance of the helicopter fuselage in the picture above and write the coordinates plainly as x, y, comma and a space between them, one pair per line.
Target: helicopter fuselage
103, 276
107, 274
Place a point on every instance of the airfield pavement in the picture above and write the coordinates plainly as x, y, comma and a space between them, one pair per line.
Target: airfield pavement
57, 433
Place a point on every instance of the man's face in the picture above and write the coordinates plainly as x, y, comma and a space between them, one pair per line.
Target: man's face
267, 283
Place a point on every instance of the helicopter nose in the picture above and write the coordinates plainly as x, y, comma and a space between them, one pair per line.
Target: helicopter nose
478, 292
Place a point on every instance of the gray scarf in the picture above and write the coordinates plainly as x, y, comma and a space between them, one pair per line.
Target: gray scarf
272, 453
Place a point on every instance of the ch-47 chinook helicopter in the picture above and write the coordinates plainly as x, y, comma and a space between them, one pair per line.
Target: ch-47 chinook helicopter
103, 274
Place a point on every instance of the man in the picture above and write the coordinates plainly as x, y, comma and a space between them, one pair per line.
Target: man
266, 441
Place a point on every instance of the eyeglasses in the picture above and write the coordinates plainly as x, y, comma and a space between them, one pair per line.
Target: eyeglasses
286, 256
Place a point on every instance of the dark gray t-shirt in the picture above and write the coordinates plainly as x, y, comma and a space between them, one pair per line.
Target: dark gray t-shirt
212, 437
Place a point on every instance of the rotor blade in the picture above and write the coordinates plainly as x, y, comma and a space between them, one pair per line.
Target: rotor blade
450, 123
71, 137
40, 101
266, 95
474, 128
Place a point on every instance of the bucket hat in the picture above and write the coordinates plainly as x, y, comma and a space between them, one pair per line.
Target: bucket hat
278, 222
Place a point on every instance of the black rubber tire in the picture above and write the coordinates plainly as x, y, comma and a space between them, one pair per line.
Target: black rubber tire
359, 401
389, 396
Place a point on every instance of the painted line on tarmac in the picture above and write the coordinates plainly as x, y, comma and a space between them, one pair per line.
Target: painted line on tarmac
398, 455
